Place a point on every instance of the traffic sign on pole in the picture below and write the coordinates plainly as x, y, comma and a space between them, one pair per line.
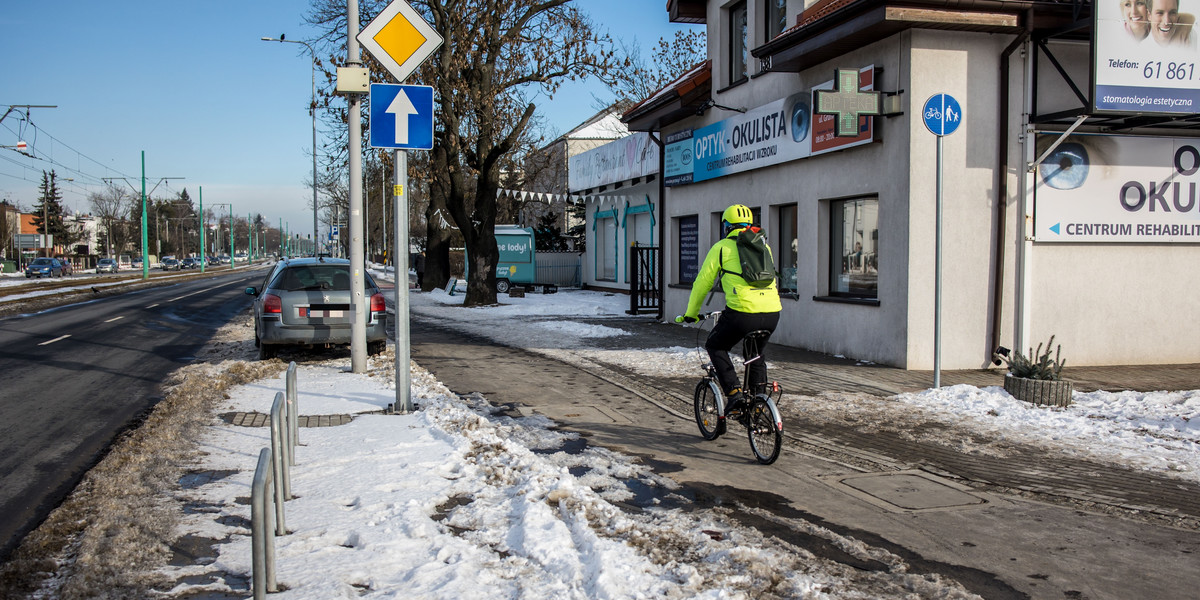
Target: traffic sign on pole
400, 39
942, 114
401, 116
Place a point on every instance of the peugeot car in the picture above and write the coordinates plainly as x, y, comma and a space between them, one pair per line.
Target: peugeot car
306, 302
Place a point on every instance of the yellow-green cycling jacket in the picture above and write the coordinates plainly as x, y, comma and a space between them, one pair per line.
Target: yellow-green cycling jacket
739, 295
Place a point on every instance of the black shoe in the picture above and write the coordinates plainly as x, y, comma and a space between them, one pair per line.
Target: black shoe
736, 403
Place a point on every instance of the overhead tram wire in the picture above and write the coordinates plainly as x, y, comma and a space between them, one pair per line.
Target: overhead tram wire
94, 179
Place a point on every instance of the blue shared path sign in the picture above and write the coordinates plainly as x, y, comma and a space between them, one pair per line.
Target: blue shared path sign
401, 116
942, 114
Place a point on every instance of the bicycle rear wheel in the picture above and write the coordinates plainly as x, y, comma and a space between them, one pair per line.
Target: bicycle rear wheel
766, 436
705, 402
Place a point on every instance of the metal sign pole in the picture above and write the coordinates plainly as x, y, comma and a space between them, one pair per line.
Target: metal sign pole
942, 115
400, 270
358, 302
937, 276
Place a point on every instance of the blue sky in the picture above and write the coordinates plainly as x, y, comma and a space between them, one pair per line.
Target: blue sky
192, 85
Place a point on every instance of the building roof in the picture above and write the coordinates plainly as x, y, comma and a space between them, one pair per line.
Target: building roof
683, 97
604, 125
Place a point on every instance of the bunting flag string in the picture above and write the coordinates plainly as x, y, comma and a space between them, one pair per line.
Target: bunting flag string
547, 197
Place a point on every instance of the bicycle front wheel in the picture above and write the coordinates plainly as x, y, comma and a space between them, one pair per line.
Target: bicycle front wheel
766, 436
707, 415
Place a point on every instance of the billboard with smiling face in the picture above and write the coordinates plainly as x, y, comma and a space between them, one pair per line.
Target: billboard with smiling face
1145, 56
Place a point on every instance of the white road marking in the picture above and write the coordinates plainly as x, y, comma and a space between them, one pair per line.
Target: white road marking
57, 339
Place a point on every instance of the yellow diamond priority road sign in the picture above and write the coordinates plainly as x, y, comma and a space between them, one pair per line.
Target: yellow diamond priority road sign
400, 39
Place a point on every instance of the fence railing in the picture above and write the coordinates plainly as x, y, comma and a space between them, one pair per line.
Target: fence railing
560, 268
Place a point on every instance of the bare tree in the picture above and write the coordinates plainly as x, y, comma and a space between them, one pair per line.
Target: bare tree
111, 207
669, 60
496, 55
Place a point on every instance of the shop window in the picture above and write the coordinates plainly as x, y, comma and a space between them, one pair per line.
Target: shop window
688, 234
854, 248
785, 248
776, 18
739, 43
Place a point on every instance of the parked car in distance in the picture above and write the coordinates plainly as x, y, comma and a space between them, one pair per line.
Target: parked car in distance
306, 302
136, 263
44, 267
189, 263
107, 265
170, 264
67, 267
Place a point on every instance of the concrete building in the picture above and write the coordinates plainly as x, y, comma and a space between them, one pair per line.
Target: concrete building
1068, 187
620, 184
543, 185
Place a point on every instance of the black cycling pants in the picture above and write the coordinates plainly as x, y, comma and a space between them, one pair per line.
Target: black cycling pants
730, 329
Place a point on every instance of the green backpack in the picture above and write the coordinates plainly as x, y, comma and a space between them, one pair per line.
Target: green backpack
758, 267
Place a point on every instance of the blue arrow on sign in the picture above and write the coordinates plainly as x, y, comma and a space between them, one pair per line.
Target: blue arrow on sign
401, 116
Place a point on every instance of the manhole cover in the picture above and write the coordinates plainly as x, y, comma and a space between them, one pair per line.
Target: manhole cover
910, 491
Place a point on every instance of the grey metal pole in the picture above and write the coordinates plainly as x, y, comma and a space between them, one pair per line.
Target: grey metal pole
203, 255
937, 276
383, 206
313, 109
358, 326
367, 218
400, 270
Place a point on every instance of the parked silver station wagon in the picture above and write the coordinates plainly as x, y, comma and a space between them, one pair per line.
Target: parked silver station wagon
306, 302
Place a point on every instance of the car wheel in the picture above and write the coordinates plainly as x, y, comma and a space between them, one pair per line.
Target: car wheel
376, 348
502, 286
267, 352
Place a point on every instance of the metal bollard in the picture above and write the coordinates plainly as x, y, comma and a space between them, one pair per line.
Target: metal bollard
293, 398
261, 529
279, 445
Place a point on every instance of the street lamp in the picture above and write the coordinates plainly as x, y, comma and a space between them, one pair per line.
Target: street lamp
312, 108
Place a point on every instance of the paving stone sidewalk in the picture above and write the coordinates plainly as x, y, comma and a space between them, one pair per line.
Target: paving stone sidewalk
1025, 471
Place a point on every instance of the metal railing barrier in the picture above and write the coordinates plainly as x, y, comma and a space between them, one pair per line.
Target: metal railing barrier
293, 398
280, 446
262, 578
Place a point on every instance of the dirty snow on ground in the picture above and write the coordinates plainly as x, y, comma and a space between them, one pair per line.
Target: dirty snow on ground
459, 500
1158, 431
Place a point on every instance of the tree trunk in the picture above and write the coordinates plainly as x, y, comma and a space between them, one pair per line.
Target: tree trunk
437, 258
482, 257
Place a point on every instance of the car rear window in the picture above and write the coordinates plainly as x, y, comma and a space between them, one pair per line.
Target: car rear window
313, 277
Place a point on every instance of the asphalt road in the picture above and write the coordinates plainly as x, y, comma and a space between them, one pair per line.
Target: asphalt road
76, 376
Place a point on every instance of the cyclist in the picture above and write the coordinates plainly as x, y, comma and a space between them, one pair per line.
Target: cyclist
747, 308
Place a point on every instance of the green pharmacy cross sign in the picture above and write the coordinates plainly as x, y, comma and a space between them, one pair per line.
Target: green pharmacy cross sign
847, 102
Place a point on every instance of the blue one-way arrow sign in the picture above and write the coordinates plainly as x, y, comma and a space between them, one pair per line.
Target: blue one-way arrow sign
401, 116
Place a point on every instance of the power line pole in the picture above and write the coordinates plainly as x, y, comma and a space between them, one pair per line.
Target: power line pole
358, 327
145, 233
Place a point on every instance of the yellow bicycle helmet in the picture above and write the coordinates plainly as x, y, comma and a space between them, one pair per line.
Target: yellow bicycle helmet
736, 216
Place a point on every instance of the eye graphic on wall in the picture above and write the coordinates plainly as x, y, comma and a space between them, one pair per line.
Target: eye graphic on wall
1066, 168
800, 119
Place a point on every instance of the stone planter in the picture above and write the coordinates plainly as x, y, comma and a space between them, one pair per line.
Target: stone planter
1043, 392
